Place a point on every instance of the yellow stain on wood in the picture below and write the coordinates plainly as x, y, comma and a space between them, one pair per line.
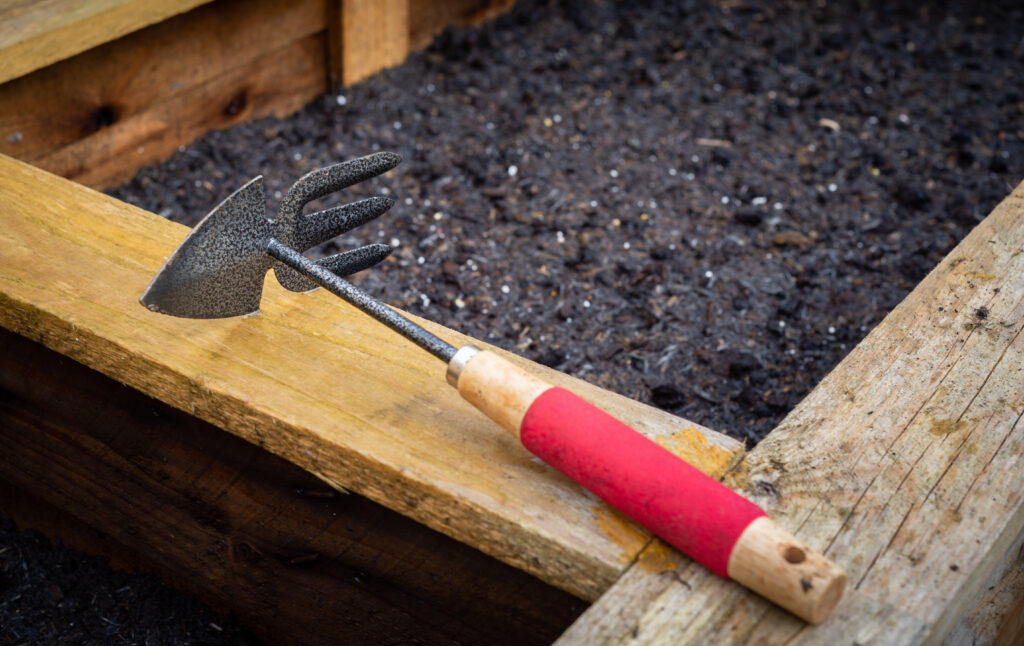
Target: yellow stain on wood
942, 427
693, 446
659, 557
621, 530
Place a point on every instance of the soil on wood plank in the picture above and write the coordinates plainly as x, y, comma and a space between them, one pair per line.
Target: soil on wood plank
700, 205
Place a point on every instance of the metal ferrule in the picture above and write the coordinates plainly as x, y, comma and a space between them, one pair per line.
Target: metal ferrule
458, 363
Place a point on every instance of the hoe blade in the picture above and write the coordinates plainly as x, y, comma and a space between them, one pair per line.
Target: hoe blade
218, 270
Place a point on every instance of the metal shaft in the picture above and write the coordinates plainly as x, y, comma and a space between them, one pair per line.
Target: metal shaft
360, 299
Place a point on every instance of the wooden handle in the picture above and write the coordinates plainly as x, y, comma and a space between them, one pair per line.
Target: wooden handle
775, 564
682, 505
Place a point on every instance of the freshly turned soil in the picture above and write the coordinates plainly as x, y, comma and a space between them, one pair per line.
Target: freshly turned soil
702, 205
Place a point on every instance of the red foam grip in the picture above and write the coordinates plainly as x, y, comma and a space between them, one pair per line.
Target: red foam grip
679, 503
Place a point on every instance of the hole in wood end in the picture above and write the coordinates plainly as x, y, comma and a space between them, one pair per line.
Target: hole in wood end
794, 554
237, 104
102, 117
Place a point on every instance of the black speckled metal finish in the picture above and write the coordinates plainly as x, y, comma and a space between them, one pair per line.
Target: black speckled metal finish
301, 232
218, 270
357, 297
349, 262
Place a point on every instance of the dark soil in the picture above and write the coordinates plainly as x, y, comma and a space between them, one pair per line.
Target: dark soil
697, 206
50, 595
700, 205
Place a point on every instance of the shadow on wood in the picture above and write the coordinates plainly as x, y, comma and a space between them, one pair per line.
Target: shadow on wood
243, 529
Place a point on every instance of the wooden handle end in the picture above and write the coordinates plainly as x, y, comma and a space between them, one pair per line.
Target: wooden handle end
495, 386
775, 564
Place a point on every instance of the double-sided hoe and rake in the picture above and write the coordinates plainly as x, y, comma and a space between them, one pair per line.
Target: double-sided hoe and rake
218, 271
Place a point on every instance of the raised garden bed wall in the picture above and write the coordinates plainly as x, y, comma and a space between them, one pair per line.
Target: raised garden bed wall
94, 90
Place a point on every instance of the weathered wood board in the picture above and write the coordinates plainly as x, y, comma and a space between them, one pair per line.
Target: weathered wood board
314, 381
131, 98
116, 473
904, 466
99, 116
366, 36
36, 33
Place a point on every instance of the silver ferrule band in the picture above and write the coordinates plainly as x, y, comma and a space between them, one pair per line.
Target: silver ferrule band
458, 363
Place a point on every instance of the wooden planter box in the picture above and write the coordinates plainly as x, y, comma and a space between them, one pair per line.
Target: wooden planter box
281, 468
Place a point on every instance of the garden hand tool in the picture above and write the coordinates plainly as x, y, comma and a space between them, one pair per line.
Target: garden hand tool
218, 271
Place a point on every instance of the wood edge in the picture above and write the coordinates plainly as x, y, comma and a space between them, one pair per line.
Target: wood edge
164, 447
46, 48
973, 588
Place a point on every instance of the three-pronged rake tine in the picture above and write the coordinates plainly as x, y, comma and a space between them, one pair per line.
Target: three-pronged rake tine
317, 228
302, 232
356, 260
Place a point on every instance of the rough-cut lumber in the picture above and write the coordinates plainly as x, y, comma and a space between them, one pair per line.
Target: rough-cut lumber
998, 613
366, 36
316, 382
904, 465
36, 33
99, 116
124, 102
153, 488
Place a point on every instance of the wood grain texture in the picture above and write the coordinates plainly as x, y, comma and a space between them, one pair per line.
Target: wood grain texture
998, 613
367, 36
500, 390
903, 466
778, 566
316, 382
276, 84
245, 530
37, 33
99, 116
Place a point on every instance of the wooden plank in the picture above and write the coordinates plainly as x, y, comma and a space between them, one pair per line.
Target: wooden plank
37, 33
102, 114
317, 383
278, 83
998, 613
366, 36
903, 465
245, 530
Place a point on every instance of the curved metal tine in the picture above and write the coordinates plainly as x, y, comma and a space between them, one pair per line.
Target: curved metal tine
301, 232
327, 180
317, 228
356, 260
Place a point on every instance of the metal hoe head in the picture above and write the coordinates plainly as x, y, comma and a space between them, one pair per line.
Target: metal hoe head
218, 270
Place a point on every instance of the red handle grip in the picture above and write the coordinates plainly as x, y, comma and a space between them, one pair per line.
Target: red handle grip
688, 509
685, 507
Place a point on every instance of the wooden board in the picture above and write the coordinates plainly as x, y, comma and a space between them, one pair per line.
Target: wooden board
366, 36
998, 613
153, 488
37, 33
101, 115
316, 382
903, 465
131, 98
